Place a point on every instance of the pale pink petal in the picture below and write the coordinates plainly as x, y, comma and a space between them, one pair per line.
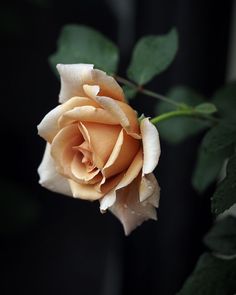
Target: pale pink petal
151, 146
91, 90
108, 85
128, 208
87, 114
73, 77
122, 155
49, 127
107, 201
84, 191
127, 178
49, 178
122, 112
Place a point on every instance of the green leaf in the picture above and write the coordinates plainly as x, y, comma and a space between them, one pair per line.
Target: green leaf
211, 276
81, 44
225, 194
176, 130
151, 56
225, 101
129, 92
206, 108
222, 237
208, 167
220, 137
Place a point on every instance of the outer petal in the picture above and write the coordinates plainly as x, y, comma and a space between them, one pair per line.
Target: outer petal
122, 112
74, 76
48, 127
129, 210
87, 114
151, 146
49, 178
129, 176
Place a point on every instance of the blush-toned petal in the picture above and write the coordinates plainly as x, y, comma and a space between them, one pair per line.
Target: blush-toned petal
122, 112
129, 210
151, 146
49, 127
79, 171
73, 77
126, 178
148, 188
49, 178
91, 90
107, 201
62, 148
84, 191
102, 139
122, 155
87, 114
108, 85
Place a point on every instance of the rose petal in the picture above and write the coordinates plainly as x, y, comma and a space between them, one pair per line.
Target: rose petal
108, 85
62, 148
87, 114
149, 187
74, 76
49, 178
151, 146
122, 155
84, 191
129, 175
123, 113
102, 139
128, 208
48, 127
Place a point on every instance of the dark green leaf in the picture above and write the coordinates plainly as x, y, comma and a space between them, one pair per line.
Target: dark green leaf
208, 167
151, 56
206, 108
225, 194
219, 137
81, 44
175, 130
212, 276
129, 92
222, 236
225, 101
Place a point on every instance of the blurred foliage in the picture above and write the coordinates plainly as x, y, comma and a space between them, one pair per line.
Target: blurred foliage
81, 44
225, 194
151, 56
222, 237
212, 276
177, 129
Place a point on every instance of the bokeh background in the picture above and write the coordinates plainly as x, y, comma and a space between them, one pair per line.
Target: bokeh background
51, 244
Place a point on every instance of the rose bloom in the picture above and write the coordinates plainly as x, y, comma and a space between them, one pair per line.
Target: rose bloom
97, 149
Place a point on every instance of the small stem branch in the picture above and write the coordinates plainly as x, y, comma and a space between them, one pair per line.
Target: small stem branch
172, 114
146, 91
185, 112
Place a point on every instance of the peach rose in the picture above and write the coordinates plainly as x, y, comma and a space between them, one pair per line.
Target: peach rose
96, 148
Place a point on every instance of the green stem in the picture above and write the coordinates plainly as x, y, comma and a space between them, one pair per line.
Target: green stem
146, 91
172, 114
184, 112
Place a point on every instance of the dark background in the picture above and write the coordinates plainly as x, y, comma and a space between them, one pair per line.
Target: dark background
51, 244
